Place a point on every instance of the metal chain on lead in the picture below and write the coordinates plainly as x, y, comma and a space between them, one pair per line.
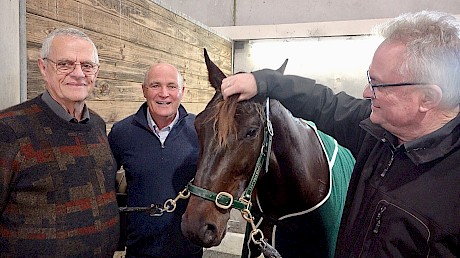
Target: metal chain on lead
246, 214
157, 209
170, 204
267, 250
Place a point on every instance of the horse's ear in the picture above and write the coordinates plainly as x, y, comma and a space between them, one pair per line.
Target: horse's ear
214, 73
283, 67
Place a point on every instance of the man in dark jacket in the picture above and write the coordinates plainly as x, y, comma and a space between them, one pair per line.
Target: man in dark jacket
158, 149
403, 198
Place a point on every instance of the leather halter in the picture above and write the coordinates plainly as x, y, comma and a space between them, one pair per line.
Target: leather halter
225, 200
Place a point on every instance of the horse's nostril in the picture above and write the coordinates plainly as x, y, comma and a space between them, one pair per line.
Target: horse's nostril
209, 234
211, 227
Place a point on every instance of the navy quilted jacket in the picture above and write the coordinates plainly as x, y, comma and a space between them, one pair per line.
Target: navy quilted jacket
156, 173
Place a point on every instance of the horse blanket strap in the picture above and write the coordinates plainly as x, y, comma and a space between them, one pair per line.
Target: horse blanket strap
223, 200
329, 144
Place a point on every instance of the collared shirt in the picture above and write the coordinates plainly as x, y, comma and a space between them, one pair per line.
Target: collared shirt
163, 133
60, 111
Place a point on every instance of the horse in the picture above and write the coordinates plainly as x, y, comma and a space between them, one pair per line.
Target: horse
257, 150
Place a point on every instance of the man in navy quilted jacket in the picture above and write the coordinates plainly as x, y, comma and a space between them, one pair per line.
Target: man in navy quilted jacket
158, 149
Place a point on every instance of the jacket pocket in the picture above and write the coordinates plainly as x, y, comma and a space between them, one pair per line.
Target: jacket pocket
396, 232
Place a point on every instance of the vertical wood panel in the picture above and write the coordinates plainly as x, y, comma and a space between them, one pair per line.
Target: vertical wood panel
130, 36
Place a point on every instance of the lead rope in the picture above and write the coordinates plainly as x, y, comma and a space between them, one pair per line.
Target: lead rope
157, 209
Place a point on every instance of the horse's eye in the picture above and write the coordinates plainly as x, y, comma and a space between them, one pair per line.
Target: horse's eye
251, 133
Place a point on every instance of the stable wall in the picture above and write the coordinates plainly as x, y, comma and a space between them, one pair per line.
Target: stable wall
223, 13
338, 62
130, 36
335, 54
325, 40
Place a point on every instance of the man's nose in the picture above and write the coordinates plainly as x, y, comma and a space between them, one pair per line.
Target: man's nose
367, 93
164, 91
77, 71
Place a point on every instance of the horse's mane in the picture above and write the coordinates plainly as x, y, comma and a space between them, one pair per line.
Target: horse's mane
224, 114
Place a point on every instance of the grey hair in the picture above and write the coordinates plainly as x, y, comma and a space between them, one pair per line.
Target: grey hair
432, 55
180, 80
71, 32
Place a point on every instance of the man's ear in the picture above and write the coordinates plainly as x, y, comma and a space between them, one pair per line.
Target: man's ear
431, 98
42, 66
183, 91
144, 90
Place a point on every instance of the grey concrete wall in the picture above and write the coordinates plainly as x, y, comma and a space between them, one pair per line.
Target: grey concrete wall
10, 60
212, 13
220, 13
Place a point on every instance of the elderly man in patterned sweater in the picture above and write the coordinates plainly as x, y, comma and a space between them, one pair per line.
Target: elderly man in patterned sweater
57, 173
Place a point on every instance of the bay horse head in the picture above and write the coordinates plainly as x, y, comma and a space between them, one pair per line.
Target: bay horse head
232, 139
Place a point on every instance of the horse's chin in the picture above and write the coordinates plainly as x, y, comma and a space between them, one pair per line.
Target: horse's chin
210, 240
203, 224
205, 238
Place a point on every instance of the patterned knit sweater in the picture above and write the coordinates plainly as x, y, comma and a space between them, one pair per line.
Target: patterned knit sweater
57, 185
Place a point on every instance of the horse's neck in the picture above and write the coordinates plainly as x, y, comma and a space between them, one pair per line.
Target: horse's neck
297, 166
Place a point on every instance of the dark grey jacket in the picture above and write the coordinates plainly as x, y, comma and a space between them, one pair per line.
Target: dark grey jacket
403, 200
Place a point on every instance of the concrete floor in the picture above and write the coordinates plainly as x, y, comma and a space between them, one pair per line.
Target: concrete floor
231, 245
216, 254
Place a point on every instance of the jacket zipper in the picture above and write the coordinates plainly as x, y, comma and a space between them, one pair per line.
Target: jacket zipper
384, 172
378, 221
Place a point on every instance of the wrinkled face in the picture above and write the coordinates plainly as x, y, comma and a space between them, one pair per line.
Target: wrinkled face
74, 86
394, 108
162, 92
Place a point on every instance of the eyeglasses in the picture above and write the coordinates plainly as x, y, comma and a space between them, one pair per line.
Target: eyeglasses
67, 66
373, 86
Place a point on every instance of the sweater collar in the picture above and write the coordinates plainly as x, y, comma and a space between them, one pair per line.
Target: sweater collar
154, 126
59, 110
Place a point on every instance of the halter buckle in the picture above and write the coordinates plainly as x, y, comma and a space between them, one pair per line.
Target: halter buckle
222, 198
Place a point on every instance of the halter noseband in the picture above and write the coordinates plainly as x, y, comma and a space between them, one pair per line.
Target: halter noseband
225, 200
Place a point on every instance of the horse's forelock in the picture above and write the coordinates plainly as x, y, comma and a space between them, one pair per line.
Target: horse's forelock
225, 120
223, 113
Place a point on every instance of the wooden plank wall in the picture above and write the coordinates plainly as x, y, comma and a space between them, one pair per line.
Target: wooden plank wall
130, 36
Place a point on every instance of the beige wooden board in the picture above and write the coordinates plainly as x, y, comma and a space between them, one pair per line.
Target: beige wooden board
130, 36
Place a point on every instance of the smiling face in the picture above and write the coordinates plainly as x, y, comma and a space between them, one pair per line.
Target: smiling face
72, 88
163, 93
394, 108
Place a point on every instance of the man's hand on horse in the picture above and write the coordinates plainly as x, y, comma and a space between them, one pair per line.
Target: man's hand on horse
243, 83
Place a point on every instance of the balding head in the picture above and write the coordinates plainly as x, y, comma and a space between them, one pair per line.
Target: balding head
163, 67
